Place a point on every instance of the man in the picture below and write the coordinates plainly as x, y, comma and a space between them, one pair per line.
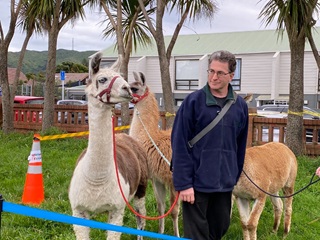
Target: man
206, 173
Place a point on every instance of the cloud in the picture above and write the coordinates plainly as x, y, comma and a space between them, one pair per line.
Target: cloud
233, 15
84, 35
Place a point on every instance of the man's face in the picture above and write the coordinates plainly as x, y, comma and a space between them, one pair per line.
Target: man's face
219, 76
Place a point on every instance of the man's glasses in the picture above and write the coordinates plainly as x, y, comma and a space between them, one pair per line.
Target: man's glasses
219, 73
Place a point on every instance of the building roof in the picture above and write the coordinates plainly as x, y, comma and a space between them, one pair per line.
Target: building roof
261, 41
12, 73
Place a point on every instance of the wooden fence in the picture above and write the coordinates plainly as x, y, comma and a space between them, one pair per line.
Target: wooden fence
263, 130
66, 117
28, 117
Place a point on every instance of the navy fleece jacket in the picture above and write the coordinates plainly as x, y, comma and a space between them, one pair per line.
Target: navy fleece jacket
215, 162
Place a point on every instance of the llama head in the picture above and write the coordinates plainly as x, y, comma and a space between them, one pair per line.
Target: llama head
106, 85
138, 87
248, 98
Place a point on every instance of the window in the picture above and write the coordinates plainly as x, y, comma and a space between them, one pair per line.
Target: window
178, 102
236, 81
187, 74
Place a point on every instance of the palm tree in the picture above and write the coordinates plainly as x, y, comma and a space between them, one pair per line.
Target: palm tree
5, 40
295, 16
193, 9
134, 29
28, 24
127, 23
53, 15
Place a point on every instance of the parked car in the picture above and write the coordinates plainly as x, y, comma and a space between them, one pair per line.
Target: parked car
72, 102
118, 106
28, 100
281, 111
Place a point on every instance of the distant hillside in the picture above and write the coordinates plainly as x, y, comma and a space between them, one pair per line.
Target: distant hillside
35, 61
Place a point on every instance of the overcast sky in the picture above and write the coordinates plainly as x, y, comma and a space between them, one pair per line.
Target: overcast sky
233, 15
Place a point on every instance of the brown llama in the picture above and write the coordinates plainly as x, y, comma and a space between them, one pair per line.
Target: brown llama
94, 187
144, 127
272, 167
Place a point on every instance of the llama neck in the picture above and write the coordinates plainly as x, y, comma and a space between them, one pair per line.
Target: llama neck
145, 117
99, 158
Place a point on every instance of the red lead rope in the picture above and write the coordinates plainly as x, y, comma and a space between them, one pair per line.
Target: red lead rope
123, 196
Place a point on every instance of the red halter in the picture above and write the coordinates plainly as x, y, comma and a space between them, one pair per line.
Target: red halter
138, 97
107, 90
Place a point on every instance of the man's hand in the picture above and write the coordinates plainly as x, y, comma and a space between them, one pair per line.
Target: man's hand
187, 195
318, 171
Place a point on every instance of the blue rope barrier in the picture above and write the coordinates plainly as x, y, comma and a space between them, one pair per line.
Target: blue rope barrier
1, 208
58, 217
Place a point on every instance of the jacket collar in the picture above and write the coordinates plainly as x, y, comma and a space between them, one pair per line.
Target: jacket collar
211, 100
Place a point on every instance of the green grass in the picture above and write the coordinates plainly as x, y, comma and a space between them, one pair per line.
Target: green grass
58, 159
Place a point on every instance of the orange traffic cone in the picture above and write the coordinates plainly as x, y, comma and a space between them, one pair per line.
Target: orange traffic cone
33, 189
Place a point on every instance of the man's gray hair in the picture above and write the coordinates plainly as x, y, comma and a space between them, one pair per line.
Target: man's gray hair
224, 56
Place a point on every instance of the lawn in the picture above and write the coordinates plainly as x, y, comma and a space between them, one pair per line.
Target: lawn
58, 160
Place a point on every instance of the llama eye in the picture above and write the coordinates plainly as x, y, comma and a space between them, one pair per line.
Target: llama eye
102, 80
134, 90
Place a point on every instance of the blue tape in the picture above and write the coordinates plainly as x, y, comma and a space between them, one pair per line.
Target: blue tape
58, 217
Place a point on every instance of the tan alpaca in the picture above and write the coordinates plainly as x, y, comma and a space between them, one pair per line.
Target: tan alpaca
144, 123
94, 188
272, 167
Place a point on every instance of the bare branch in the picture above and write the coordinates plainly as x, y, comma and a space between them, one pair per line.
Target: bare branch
148, 20
106, 9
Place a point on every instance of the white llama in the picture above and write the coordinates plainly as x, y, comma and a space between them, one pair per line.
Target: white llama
94, 187
272, 167
144, 126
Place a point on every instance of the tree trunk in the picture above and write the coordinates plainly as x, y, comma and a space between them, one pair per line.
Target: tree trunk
166, 83
125, 113
7, 99
164, 60
49, 95
7, 104
20, 62
314, 50
295, 116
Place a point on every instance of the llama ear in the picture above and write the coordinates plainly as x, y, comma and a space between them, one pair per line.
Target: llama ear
95, 64
139, 77
248, 98
117, 65
136, 76
142, 77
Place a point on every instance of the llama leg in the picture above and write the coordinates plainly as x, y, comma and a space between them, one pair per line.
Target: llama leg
175, 211
160, 194
82, 233
287, 209
232, 203
115, 218
277, 210
253, 221
140, 207
244, 211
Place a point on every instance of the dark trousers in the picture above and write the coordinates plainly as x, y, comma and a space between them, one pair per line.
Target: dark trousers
209, 217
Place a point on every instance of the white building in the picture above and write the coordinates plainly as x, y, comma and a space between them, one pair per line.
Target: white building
263, 65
